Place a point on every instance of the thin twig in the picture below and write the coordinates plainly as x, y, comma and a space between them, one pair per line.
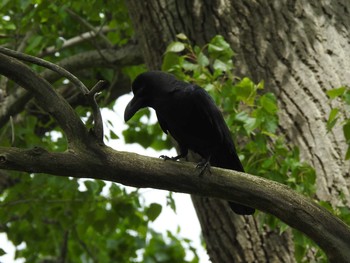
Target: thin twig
89, 26
84, 246
12, 131
25, 40
98, 122
64, 248
92, 28
38, 61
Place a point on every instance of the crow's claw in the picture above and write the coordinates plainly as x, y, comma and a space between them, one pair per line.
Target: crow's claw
165, 158
203, 166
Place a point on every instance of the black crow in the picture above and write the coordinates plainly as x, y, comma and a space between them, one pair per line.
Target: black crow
190, 116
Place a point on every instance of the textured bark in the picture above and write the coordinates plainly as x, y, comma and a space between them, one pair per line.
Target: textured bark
301, 50
230, 237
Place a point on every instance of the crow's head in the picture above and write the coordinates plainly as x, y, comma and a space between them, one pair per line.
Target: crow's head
148, 88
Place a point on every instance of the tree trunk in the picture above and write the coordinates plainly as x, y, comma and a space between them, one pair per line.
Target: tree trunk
301, 50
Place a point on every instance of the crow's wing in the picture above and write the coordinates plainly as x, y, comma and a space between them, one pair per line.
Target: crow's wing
162, 123
205, 104
225, 155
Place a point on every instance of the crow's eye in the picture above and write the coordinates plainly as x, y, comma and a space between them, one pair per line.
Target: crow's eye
139, 90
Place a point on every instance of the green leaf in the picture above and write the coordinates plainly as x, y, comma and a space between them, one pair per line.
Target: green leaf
3, 3
35, 41
10, 26
202, 59
24, 4
153, 211
2, 252
346, 130
181, 36
113, 135
59, 42
334, 93
332, 119
283, 227
250, 124
222, 66
175, 47
346, 97
188, 66
268, 102
246, 91
261, 84
219, 48
213, 48
347, 155
170, 201
170, 61
131, 71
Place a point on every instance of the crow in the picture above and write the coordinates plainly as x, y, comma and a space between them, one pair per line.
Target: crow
190, 116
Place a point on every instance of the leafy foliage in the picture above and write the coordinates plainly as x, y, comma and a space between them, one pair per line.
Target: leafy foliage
52, 216
48, 22
147, 134
340, 113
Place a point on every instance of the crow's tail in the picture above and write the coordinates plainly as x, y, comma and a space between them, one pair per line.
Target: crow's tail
228, 159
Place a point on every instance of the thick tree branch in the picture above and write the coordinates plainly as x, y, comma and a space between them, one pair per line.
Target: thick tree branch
127, 55
46, 97
54, 67
298, 211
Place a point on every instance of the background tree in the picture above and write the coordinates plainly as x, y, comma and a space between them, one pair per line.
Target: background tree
299, 50
286, 44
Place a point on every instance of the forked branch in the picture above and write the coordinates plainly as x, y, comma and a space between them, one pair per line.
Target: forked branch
46, 97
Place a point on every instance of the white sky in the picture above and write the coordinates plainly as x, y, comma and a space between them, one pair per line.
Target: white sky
185, 218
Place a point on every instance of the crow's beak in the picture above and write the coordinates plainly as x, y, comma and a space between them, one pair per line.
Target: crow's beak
134, 105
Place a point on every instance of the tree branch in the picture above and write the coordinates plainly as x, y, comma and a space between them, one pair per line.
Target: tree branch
76, 40
38, 61
124, 56
46, 97
90, 27
298, 211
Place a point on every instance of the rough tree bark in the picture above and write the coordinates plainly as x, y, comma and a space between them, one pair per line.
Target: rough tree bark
301, 50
